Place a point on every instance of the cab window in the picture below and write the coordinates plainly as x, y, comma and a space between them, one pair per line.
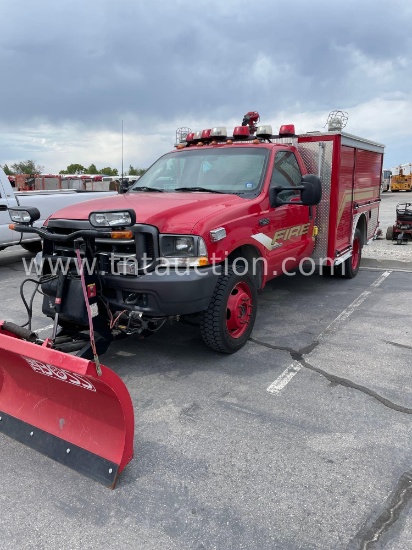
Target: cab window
286, 172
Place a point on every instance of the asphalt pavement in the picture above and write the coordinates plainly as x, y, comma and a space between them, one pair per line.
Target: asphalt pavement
301, 440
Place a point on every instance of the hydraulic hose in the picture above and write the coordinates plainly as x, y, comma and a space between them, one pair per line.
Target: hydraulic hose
19, 331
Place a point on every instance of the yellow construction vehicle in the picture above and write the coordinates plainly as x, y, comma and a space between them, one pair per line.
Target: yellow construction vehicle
401, 179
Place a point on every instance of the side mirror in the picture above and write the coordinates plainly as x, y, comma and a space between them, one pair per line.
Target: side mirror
273, 197
310, 192
123, 186
25, 215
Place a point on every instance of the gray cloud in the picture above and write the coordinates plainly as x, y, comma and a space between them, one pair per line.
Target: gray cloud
93, 62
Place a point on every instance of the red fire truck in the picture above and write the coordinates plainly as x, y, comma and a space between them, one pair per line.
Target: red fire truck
199, 233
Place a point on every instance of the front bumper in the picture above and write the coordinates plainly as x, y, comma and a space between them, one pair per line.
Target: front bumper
167, 293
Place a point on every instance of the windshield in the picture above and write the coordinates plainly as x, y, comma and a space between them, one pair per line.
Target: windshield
227, 170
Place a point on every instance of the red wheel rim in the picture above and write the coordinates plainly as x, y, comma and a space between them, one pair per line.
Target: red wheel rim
355, 253
239, 310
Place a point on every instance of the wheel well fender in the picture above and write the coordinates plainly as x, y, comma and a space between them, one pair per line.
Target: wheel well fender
253, 259
362, 225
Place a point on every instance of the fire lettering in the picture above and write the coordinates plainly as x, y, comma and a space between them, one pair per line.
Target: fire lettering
295, 231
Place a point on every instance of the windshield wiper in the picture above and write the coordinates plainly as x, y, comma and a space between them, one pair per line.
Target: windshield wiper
144, 188
203, 189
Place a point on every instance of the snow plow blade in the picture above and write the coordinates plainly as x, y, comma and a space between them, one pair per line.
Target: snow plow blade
57, 404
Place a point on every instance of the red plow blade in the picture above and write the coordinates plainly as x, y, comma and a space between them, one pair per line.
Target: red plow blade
56, 404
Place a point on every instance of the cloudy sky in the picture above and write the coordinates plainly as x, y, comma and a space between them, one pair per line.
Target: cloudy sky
73, 70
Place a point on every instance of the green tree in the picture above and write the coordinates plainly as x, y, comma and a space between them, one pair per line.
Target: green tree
26, 167
74, 169
109, 171
92, 169
136, 171
7, 170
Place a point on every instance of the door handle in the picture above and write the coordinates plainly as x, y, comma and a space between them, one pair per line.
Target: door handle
3, 207
264, 221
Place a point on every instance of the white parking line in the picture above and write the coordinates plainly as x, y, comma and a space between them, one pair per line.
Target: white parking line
291, 371
351, 308
284, 378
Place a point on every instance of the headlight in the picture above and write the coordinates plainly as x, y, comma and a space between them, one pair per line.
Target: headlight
24, 215
184, 245
183, 250
113, 218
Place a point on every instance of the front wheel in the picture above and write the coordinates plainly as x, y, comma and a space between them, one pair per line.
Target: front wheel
228, 322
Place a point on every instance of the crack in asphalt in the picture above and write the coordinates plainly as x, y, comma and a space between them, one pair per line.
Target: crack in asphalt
349, 384
397, 345
298, 355
371, 532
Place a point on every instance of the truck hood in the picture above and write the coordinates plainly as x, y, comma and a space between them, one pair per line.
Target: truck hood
169, 212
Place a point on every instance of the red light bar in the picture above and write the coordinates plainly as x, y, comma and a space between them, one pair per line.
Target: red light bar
241, 132
206, 133
197, 136
287, 130
190, 137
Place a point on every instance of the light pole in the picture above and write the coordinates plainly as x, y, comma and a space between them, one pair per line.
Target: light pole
122, 150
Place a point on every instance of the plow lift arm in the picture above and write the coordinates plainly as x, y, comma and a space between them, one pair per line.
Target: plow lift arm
65, 405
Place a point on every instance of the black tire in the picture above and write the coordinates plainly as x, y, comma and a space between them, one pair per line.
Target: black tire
327, 271
33, 247
395, 190
221, 330
389, 233
350, 267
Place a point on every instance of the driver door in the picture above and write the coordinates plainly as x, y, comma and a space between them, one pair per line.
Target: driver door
290, 226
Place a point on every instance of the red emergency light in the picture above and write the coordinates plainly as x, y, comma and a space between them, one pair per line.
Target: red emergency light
241, 132
206, 133
190, 137
287, 130
197, 136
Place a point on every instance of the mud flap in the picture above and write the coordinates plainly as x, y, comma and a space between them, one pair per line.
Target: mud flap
56, 404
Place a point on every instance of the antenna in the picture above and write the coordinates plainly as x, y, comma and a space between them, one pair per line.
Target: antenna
122, 150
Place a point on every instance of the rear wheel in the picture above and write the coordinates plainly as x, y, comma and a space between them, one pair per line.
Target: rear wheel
350, 267
389, 233
228, 322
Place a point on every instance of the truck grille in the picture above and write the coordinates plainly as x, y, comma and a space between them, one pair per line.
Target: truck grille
140, 252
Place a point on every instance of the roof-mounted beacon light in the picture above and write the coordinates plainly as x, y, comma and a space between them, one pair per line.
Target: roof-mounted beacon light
189, 137
181, 134
219, 133
241, 132
264, 131
336, 121
197, 136
287, 130
206, 134
251, 119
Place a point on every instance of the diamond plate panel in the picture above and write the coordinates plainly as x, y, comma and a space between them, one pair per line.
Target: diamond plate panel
373, 222
313, 155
